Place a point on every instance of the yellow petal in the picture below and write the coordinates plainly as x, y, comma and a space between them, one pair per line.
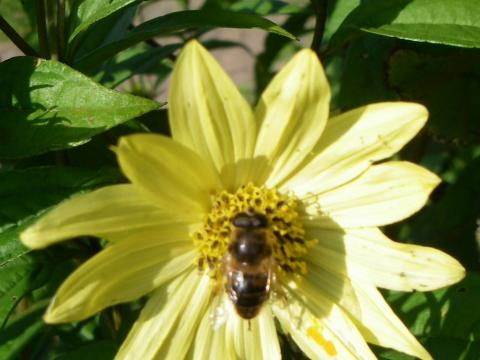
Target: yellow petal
292, 113
355, 139
169, 173
334, 285
320, 328
362, 302
257, 340
167, 324
110, 212
367, 255
382, 195
379, 324
268, 335
121, 272
209, 115
211, 341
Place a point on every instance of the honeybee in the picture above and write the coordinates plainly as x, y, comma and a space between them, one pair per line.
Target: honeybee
249, 264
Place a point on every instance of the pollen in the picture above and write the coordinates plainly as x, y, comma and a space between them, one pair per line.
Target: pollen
315, 332
286, 230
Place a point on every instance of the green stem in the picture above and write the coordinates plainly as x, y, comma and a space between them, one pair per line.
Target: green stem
51, 23
17, 39
320, 10
61, 29
42, 29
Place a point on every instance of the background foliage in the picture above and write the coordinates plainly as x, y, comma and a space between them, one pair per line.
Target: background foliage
59, 117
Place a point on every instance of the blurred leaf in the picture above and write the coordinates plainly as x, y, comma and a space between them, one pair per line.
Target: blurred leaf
47, 106
178, 21
20, 270
87, 12
156, 121
104, 31
454, 108
452, 22
184, 4
21, 331
23, 194
95, 154
21, 16
266, 7
364, 76
444, 319
274, 46
98, 350
451, 221
337, 12
136, 60
334, 68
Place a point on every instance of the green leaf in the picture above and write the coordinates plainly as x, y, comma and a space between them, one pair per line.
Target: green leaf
26, 192
445, 319
87, 12
23, 195
21, 16
134, 61
103, 31
364, 73
453, 106
21, 331
20, 270
337, 12
47, 106
452, 22
266, 7
179, 21
451, 221
275, 47
104, 350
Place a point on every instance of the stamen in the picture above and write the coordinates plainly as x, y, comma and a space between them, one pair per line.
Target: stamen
285, 227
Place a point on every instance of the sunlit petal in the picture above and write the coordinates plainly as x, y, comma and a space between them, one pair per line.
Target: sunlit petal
384, 194
379, 325
255, 339
112, 212
209, 115
320, 328
173, 175
369, 256
355, 139
210, 340
364, 304
336, 286
167, 324
122, 272
292, 113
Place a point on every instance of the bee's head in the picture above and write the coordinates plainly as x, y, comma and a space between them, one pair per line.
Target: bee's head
250, 221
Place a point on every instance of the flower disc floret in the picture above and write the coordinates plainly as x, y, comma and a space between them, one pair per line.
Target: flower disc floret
285, 228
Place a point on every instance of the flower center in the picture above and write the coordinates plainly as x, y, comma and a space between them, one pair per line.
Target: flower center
281, 210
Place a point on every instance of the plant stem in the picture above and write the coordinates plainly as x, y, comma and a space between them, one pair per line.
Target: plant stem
16, 38
42, 29
61, 29
320, 10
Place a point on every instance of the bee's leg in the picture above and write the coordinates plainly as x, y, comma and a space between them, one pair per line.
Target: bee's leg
249, 325
278, 294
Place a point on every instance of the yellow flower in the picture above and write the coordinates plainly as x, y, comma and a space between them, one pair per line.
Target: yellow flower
319, 184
